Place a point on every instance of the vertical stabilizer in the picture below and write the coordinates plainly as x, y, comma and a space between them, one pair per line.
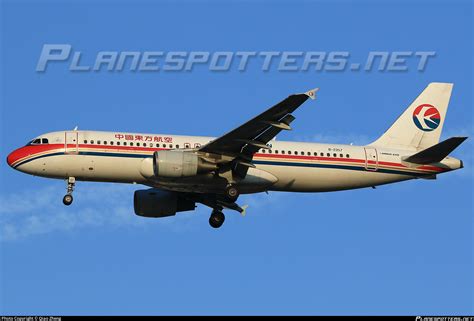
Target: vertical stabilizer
420, 125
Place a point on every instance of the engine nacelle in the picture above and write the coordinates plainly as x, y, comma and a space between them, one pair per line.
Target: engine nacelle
176, 163
158, 203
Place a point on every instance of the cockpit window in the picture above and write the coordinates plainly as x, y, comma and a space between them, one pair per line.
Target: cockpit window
38, 141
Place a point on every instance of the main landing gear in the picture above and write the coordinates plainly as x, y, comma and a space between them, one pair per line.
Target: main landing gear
67, 199
227, 200
232, 193
217, 218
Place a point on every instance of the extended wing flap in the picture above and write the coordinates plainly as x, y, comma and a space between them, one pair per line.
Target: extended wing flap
249, 150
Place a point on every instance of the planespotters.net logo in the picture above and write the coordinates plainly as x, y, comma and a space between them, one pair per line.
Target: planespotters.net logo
161, 60
426, 117
459, 318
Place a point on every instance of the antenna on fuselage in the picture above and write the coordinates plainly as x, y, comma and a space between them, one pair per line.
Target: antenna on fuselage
75, 128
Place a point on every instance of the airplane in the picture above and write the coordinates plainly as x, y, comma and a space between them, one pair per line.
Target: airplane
181, 171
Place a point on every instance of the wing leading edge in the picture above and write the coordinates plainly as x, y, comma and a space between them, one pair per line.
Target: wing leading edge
254, 132
244, 141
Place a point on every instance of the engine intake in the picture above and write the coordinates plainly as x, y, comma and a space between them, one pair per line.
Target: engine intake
175, 163
158, 203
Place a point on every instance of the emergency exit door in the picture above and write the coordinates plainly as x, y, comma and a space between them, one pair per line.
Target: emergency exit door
371, 159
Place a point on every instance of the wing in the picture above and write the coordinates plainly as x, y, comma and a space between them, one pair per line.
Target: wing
244, 141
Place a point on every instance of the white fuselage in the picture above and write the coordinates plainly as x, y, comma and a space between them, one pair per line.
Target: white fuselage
296, 166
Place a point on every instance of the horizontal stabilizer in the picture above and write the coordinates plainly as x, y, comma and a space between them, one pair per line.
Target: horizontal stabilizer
435, 153
428, 176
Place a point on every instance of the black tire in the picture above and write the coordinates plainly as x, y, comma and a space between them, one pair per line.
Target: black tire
67, 199
217, 219
232, 193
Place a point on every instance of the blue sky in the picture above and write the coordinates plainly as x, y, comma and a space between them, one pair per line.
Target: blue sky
400, 249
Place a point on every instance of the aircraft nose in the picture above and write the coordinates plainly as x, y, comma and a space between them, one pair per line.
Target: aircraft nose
14, 156
10, 158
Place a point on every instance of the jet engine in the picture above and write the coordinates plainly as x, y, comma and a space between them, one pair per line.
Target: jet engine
175, 163
158, 203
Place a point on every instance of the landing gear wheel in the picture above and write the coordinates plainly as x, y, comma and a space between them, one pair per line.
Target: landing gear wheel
67, 199
232, 193
217, 219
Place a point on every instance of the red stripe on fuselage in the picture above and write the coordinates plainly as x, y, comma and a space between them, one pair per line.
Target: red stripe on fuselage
29, 150
349, 160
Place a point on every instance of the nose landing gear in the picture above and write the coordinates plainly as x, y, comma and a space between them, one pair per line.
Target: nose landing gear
67, 199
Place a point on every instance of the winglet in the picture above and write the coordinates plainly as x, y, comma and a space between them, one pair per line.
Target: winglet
312, 93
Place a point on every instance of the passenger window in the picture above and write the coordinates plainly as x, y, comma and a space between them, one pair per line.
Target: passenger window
92, 141
157, 145
105, 142
322, 154
335, 155
171, 145
269, 151
98, 142
283, 152
340, 155
315, 154
118, 143
347, 155
289, 152
309, 154
263, 151
111, 142
276, 151
138, 144
151, 144
187, 145
131, 143
144, 144
296, 153
124, 143
328, 154
177, 146
85, 141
